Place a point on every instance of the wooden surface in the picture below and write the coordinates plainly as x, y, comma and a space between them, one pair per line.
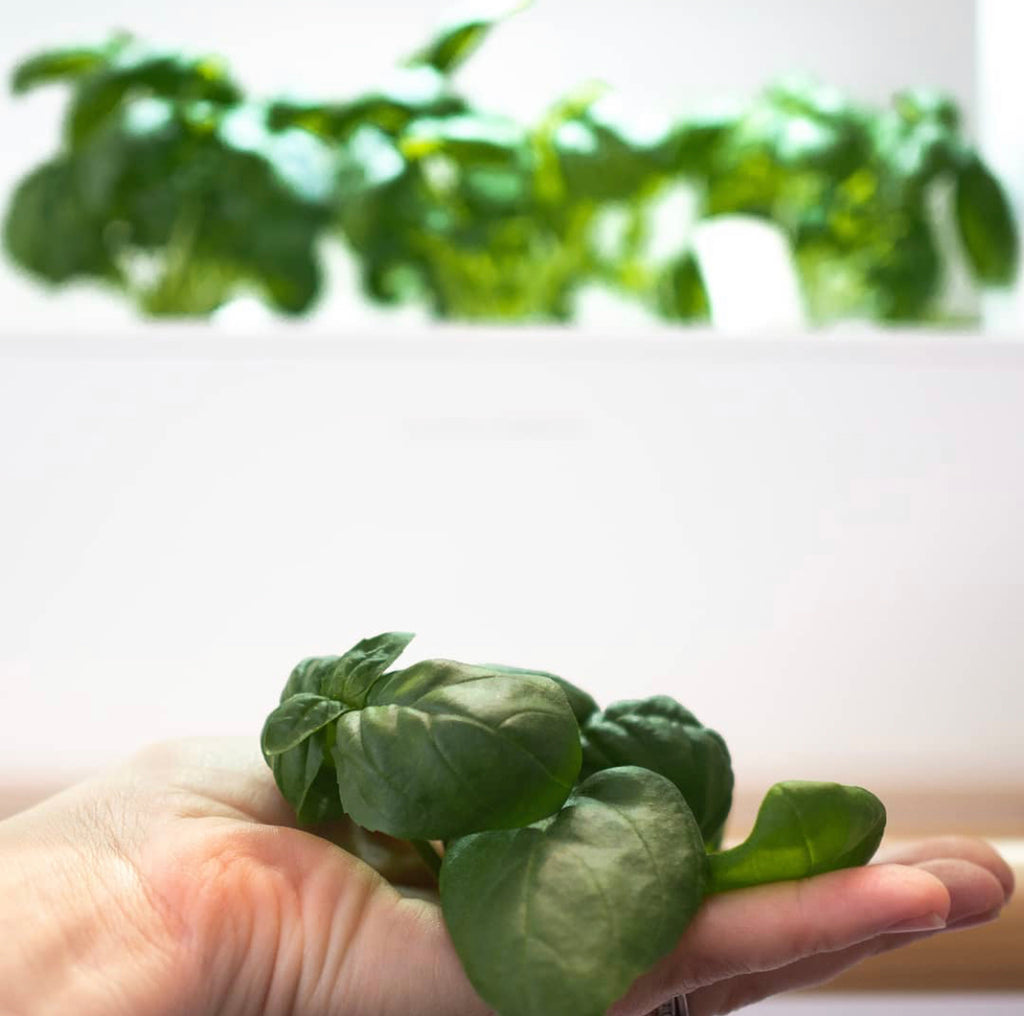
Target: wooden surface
988, 958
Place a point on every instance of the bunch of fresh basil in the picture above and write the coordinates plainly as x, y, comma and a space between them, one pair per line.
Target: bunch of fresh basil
578, 843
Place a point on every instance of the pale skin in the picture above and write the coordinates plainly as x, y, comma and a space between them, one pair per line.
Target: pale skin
177, 885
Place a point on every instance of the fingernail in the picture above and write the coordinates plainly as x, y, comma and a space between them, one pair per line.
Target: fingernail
927, 922
974, 919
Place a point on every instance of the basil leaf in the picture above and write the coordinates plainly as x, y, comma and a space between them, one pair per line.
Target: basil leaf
442, 749
101, 95
987, 225
802, 829
469, 139
563, 916
681, 292
49, 230
659, 734
307, 781
352, 675
309, 676
295, 719
455, 43
582, 705
68, 64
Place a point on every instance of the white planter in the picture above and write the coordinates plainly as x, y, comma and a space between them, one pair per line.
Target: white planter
816, 543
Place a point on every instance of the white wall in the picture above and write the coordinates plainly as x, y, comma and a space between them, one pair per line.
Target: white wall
815, 544
660, 56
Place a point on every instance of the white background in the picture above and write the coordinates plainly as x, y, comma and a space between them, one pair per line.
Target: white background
815, 544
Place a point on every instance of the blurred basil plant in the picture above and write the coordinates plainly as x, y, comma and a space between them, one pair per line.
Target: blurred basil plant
174, 186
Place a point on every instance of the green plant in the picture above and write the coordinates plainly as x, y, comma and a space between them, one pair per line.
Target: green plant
169, 187
174, 186
577, 843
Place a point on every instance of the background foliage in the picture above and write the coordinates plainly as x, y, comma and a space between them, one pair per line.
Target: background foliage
177, 188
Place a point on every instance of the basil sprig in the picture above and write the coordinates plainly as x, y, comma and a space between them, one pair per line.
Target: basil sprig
579, 843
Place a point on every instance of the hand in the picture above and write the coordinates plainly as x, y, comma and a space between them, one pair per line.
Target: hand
177, 885
745, 946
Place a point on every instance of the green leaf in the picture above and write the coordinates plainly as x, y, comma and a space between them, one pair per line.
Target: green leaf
470, 138
309, 675
660, 735
414, 92
600, 162
307, 781
802, 829
455, 43
692, 146
49, 230
443, 749
987, 225
295, 719
136, 73
915, 105
352, 675
907, 273
68, 64
563, 916
681, 293
582, 705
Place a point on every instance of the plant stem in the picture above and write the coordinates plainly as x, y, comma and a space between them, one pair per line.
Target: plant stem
430, 856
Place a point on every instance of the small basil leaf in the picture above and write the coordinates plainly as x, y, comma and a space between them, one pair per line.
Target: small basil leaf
659, 734
682, 294
309, 676
802, 829
987, 225
295, 719
307, 781
456, 42
563, 916
354, 673
67, 64
442, 749
582, 705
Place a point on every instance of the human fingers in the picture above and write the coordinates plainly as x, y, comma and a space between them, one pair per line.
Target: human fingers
975, 895
768, 927
968, 848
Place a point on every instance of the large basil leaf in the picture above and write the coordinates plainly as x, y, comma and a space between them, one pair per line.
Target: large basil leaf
802, 829
443, 749
48, 229
295, 719
582, 705
307, 781
563, 916
659, 734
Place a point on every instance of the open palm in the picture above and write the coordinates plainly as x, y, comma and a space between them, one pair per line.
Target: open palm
204, 899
